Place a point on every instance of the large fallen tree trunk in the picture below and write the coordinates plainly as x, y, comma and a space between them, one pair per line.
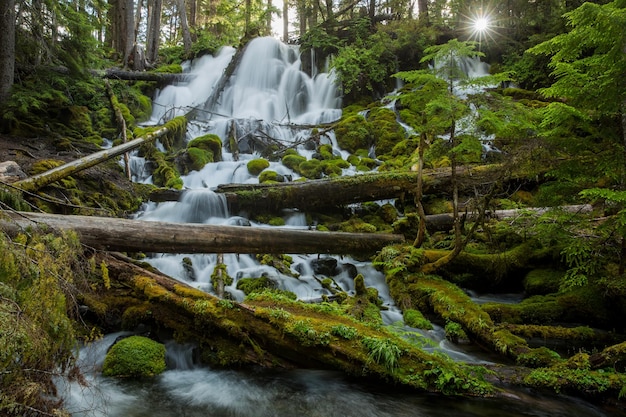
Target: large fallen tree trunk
445, 221
45, 178
143, 236
332, 192
271, 332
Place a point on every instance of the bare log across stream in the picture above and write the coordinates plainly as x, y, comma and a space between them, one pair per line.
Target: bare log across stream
107, 233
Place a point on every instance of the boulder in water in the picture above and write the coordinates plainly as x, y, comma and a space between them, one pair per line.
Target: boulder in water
134, 357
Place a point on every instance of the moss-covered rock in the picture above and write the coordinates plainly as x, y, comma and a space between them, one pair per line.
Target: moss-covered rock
542, 281
134, 357
385, 130
270, 176
293, 161
353, 133
255, 285
311, 169
414, 318
210, 142
255, 166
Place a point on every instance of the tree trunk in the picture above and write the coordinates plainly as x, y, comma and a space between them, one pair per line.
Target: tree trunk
423, 12
7, 48
41, 180
419, 194
121, 126
126, 235
329, 192
122, 22
184, 27
285, 21
154, 30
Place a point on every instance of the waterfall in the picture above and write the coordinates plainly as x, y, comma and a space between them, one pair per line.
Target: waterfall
266, 96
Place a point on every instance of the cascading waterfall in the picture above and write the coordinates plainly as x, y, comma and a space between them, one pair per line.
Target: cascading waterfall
267, 95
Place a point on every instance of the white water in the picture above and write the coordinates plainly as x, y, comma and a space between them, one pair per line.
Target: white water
267, 94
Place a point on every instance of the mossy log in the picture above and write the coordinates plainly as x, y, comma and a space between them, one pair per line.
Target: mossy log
445, 221
144, 236
45, 178
275, 331
324, 193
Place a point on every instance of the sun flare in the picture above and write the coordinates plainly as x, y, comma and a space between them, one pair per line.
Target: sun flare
481, 24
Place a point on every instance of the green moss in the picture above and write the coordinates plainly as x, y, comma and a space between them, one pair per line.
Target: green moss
198, 158
385, 130
539, 357
414, 318
356, 225
282, 263
293, 161
255, 285
210, 143
255, 166
270, 176
542, 281
134, 357
135, 315
353, 133
312, 169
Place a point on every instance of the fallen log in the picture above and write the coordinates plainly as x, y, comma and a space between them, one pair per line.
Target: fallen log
127, 235
271, 332
445, 221
323, 193
45, 178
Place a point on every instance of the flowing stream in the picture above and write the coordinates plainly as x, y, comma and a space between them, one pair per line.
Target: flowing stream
266, 98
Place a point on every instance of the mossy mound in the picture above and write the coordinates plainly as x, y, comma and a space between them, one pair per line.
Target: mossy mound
256, 285
293, 161
255, 166
385, 129
542, 281
134, 357
353, 133
270, 176
204, 149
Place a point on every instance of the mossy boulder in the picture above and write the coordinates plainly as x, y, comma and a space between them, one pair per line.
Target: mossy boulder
385, 130
353, 133
256, 285
293, 161
542, 281
134, 357
414, 318
255, 166
356, 225
312, 169
205, 148
270, 176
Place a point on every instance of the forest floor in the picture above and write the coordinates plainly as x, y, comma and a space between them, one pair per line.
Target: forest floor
26, 152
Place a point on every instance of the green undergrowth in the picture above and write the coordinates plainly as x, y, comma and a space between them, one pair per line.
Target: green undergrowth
40, 276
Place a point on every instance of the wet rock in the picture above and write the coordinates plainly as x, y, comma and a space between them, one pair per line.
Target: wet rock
350, 269
324, 266
10, 171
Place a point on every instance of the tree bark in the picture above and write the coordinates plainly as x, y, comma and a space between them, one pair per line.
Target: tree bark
154, 30
423, 12
7, 48
184, 26
45, 178
127, 235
